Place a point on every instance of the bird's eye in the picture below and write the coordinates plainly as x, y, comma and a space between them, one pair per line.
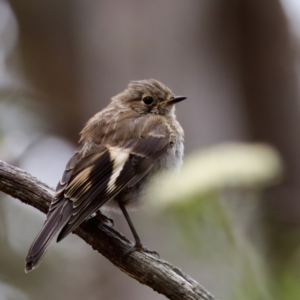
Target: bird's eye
148, 100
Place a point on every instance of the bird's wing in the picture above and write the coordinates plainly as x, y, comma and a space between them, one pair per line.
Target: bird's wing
91, 181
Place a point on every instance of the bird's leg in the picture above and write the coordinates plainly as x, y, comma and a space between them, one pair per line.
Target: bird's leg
138, 244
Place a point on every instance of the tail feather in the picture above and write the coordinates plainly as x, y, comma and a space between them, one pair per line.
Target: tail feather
53, 224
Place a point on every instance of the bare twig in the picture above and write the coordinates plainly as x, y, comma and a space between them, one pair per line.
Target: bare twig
158, 274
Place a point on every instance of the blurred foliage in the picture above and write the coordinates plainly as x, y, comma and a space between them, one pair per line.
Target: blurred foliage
204, 200
289, 281
233, 165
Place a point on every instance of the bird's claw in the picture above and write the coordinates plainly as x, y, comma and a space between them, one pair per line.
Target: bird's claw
105, 219
141, 248
98, 215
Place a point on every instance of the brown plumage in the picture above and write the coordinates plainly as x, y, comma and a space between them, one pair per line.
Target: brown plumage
122, 147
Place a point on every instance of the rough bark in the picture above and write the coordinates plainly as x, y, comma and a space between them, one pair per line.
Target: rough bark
158, 274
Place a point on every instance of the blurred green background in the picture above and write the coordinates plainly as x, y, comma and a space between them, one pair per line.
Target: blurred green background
232, 218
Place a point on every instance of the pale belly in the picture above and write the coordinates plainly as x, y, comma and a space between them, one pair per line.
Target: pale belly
130, 197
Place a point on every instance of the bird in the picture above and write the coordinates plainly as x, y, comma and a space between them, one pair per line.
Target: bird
122, 148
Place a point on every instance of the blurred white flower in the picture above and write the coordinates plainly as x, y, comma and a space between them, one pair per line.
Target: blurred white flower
225, 166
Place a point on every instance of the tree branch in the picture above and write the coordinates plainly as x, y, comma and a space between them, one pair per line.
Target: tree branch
158, 274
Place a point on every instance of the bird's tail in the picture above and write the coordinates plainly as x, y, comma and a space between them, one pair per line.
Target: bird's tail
53, 224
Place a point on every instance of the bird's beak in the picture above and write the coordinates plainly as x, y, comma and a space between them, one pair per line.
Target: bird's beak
176, 100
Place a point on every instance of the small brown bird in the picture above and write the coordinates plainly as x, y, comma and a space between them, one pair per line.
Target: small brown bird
121, 148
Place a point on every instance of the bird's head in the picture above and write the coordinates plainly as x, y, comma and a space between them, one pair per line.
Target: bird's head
148, 97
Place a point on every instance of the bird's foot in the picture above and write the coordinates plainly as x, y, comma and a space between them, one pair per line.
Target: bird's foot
105, 219
98, 215
141, 248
